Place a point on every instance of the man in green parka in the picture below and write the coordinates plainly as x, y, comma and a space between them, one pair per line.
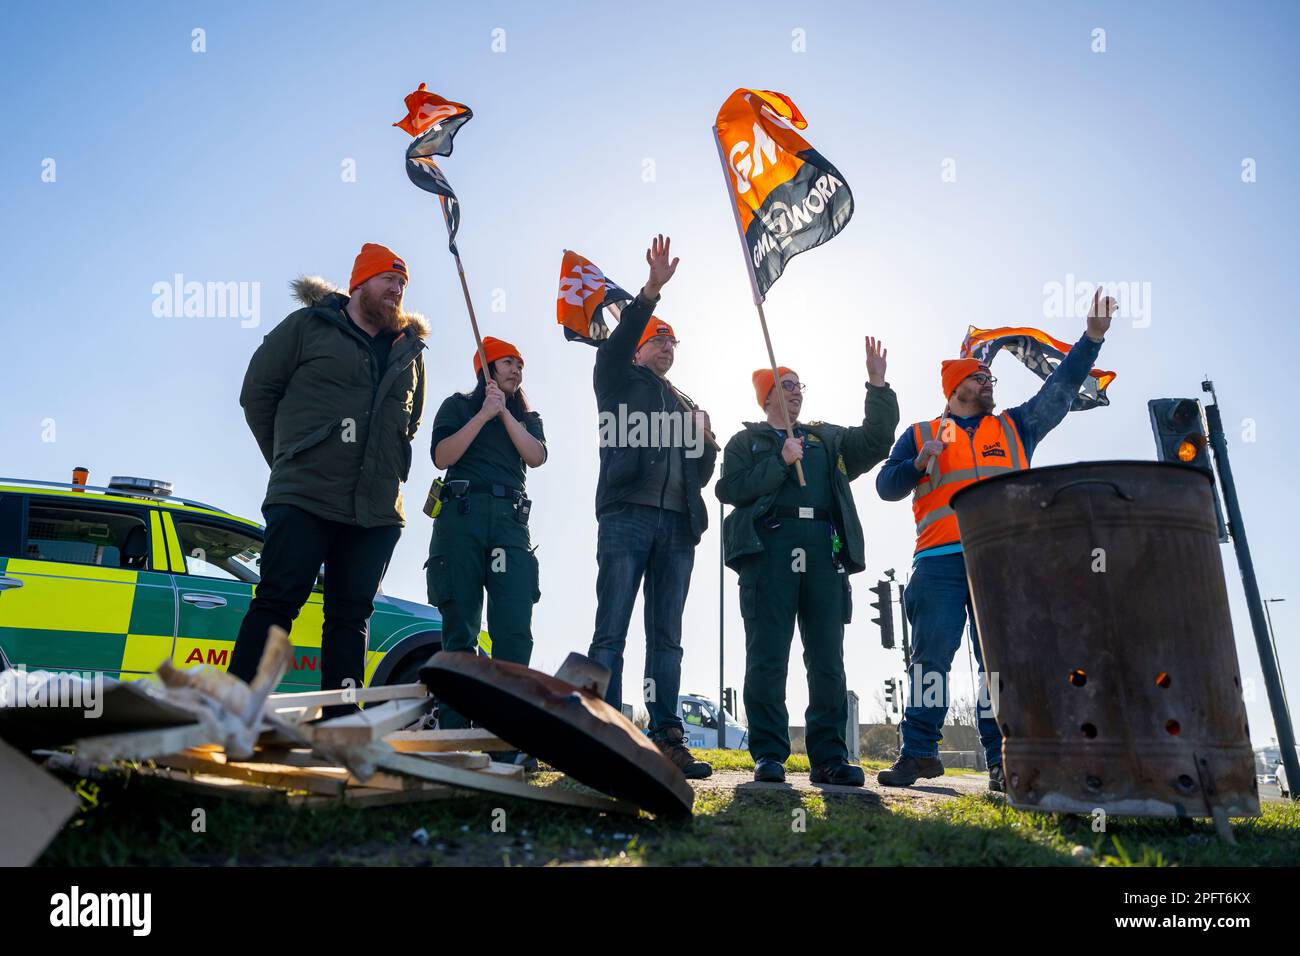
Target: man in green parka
333, 396
794, 547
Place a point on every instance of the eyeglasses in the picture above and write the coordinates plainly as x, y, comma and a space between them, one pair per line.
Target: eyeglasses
790, 386
662, 342
983, 379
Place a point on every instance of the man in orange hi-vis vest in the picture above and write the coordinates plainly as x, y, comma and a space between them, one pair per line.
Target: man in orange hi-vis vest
932, 461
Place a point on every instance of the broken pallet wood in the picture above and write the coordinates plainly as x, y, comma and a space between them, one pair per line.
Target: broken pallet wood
361, 695
478, 780
267, 775
438, 741
370, 724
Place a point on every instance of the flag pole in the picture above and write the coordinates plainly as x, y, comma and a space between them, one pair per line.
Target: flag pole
758, 299
464, 287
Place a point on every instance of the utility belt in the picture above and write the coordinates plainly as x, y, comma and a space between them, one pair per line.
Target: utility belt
460, 490
805, 514
774, 516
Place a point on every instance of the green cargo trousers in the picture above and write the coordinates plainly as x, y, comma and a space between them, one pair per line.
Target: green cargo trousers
484, 548
793, 579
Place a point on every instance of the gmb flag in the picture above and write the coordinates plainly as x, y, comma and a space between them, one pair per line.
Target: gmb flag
584, 293
433, 122
1041, 353
788, 197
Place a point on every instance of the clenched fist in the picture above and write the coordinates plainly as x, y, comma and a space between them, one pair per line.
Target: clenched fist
792, 451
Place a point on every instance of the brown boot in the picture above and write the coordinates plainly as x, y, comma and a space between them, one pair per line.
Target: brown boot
673, 746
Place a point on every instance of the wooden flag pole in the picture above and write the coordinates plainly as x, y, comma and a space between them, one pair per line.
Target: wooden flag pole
473, 321
933, 463
758, 300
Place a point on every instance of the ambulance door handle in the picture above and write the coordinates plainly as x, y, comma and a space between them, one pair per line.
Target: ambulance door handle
205, 601
8, 583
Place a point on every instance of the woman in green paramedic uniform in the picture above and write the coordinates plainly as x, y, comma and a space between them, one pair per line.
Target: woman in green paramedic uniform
485, 439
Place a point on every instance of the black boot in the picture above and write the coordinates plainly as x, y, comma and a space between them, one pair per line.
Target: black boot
997, 779
769, 770
840, 772
907, 770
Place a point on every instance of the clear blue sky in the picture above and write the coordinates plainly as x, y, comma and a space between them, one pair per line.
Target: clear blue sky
224, 166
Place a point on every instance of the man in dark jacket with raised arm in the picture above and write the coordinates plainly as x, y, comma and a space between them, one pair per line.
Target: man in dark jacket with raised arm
932, 461
654, 459
794, 547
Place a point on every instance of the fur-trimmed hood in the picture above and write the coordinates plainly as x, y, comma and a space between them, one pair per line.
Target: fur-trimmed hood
313, 290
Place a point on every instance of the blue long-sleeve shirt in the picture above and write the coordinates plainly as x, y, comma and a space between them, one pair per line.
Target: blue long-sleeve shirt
1033, 420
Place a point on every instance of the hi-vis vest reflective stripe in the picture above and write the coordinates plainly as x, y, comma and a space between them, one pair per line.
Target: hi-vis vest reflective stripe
994, 449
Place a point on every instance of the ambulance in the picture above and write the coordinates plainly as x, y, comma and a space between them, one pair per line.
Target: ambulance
113, 580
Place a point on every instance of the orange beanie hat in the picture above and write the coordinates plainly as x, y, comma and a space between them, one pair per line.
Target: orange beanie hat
764, 382
955, 371
655, 327
371, 261
495, 349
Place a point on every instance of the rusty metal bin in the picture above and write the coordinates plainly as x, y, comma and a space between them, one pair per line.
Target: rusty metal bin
1103, 616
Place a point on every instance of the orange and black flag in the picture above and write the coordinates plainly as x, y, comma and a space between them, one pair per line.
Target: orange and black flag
1041, 354
788, 197
433, 121
584, 293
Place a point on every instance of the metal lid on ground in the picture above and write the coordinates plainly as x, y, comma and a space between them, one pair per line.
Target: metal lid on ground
570, 728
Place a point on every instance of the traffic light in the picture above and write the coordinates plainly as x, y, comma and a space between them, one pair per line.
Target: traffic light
1180, 431
884, 603
1179, 427
890, 703
729, 700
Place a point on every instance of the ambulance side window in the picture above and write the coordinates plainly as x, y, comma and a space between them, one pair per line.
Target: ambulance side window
69, 535
11, 526
215, 551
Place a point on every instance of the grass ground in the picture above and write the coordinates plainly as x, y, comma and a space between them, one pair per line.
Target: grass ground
143, 821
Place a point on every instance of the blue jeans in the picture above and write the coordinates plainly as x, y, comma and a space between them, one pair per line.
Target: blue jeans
635, 542
937, 603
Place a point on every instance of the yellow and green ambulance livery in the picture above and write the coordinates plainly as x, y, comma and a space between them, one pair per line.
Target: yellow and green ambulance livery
115, 580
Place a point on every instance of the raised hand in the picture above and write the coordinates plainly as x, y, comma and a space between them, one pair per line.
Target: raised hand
876, 356
661, 269
1100, 314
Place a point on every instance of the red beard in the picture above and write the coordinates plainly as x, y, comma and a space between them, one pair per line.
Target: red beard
377, 312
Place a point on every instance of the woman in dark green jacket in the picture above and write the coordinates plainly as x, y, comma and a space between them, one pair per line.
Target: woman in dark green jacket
486, 439
794, 546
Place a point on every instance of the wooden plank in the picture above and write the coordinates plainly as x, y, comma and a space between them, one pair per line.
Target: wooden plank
34, 805
224, 788
268, 775
435, 741
142, 744
362, 695
507, 771
491, 783
459, 758
362, 797
371, 723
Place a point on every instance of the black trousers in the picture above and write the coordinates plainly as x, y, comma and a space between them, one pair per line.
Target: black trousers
297, 544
